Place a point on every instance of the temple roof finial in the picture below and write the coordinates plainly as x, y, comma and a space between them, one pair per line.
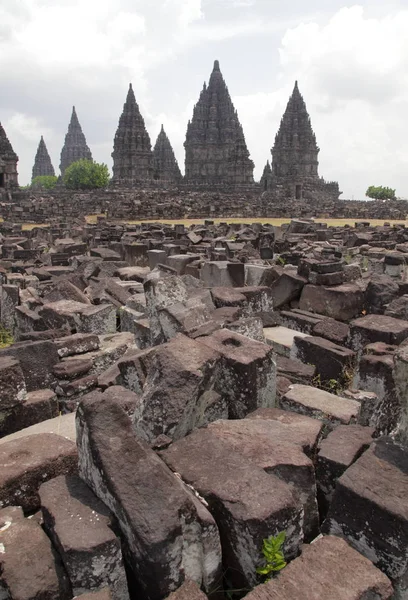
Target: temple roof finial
216, 65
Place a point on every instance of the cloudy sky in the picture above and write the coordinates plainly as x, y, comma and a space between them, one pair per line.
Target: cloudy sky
351, 61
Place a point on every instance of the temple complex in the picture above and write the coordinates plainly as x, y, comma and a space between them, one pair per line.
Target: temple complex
8, 163
216, 151
132, 151
75, 146
294, 172
165, 165
42, 163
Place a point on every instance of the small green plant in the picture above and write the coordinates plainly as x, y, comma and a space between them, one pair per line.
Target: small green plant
273, 556
6, 337
281, 261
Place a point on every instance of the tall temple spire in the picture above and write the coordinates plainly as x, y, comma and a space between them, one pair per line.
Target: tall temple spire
132, 151
295, 150
42, 162
165, 166
216, 151
8, 162
75, 146
295, 157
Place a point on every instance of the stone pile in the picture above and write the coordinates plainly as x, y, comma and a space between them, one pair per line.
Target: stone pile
173, 396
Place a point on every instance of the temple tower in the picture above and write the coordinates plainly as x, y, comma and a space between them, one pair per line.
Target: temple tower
75, 146
8, 163
165, 166
216, 151
42, 162
295, 157
132, 151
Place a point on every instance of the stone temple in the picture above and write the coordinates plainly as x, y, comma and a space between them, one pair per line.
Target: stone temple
165, 165
75, 146
216, 151
42, 162
8, 163
294, 172
132, 151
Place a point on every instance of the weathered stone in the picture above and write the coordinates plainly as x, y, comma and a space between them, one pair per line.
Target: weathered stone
177, 538
42, 162
38, 406
377, 328
29, 566
266, 445
318, 404
188, 591
80, 527
28, 462
247, 372
343, 302
332, 362
286, 288
332, 330
78, 343
179, 391
338, 451
381, 290
12, 384
37, 360
328, 568
369, 509
247, 503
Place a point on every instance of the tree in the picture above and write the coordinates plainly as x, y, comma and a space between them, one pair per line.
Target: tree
86, 175
381, 193
45, 182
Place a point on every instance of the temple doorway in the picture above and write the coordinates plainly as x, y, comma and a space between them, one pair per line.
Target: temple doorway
298, 193
2, 184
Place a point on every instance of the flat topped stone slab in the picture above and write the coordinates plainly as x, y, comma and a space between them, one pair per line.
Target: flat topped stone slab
281, 338
377, 328
64, 425
327, 569
27, 462
330, 409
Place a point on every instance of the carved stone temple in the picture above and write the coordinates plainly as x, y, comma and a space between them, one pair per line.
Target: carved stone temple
132, 151
42, 162
216, 151
294, 172
165, 165
8, 163
75, 146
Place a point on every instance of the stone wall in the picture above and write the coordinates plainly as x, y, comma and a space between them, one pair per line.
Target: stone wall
182, 203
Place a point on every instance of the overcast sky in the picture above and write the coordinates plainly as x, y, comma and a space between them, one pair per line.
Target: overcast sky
351, 61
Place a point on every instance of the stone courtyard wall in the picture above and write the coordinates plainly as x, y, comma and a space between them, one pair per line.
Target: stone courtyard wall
173, 203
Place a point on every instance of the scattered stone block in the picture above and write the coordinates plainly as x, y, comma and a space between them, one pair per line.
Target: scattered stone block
377, 328
247, 503
37, 360
29, 566
281, 339
337, 452
343, 302
177, 538
188, 591
28, 462
318, 404
328, 568
332, 362
78, 343
370, 511
80, 527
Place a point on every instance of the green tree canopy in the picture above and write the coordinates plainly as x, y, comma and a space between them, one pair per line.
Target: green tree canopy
380, 193
86, 175
45, 182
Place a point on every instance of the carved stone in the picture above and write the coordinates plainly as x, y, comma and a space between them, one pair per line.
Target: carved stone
132, 151
165, 166
295, 158
8, 163
42, 163
216, 151
75, 146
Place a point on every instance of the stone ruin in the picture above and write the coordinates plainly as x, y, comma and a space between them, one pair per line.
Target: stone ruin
8, 163
75, 146
294, 171
172, 396
42, 163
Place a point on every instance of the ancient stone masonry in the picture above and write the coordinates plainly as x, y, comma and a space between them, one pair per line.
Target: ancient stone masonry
165, 166
132, 152
295, 158
42, 162
216, 151
8, 162
75, 146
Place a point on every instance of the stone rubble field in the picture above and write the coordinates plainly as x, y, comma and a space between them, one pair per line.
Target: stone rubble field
170, 397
